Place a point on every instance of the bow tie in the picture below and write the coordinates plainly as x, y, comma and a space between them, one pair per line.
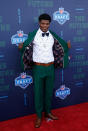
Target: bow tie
43, 34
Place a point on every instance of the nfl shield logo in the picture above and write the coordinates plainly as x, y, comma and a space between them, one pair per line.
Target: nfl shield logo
61, 16
23, 80
20, 33
62, 92
20, 37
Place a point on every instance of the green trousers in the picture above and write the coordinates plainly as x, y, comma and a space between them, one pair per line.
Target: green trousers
43, 88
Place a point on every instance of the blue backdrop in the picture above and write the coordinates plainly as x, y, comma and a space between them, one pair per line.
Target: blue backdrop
70, 23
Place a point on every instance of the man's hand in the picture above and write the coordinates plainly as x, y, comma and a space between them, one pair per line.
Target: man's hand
69, 44
20, 46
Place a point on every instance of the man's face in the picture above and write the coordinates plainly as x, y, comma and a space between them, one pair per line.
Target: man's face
44, 25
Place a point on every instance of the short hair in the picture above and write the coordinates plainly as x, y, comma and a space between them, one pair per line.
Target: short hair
44, 17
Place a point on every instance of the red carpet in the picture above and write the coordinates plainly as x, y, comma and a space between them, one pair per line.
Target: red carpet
72, 118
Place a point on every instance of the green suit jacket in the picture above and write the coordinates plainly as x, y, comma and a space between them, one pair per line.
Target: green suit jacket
60, 51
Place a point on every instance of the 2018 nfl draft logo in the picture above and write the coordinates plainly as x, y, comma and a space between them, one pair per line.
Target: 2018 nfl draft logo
23, 80
20, 37
62, 92
61, 16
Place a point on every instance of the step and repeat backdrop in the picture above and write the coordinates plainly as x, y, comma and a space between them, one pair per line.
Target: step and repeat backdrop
70, 22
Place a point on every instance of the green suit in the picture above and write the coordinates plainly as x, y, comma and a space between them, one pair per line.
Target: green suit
44, 75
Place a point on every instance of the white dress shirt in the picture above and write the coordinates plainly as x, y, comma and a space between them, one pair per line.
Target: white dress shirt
42, 48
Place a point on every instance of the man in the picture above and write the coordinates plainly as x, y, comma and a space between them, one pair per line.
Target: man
44, 50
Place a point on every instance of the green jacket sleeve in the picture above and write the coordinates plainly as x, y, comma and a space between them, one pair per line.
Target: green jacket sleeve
25, 43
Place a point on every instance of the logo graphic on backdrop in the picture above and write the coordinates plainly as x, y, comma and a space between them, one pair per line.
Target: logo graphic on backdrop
62, 92
23, 80
61, 16
20, 37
